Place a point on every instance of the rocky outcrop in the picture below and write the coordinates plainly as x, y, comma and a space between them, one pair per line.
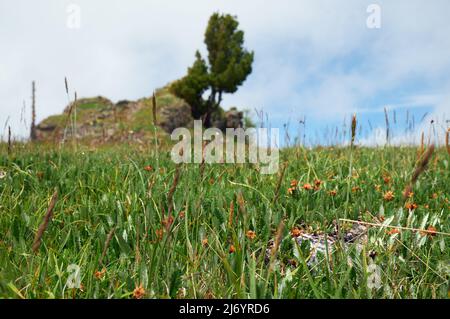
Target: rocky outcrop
175, 116
99, 120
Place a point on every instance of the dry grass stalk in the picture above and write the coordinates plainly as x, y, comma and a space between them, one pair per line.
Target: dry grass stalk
155, 122
447, 141
48, 216
386, 117
137, 250
231, 214
280, 181
66, 85
425, 231
107, 242
353, 130
202, 164
175, 182
71, 108
420, 168
33, 112
276, 245
422, 146
241, 203
9, 141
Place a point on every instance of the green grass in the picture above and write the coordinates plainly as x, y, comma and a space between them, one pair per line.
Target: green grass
109, 188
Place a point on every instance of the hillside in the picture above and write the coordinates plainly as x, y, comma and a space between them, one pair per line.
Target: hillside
98, 120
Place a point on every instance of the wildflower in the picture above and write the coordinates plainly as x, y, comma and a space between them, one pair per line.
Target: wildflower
393, 231
159, 233
232, 249
291, 190
296, 232
332, 192
356, 189
387, 179
205, 242
408, 193
317, 182
431, 232
434, 196
378, 188
139, 292
411, 206
100, 274
181, 214
307, 187
294, 183
168, 221
148, 168
2, 174
251, 235
388, 196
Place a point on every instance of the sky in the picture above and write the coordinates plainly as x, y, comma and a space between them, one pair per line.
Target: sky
316, 62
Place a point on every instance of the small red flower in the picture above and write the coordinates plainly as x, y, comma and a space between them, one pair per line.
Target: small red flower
148, 168
139, 292
251, 235
393, 231
296, 232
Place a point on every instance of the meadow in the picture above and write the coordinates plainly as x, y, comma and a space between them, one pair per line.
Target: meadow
136, 225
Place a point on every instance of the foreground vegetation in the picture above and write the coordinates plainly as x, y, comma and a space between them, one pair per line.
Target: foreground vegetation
138, 226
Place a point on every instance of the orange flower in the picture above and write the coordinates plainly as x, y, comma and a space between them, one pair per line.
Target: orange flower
168, 221
332, 192
296, 232
160, 233
99, 274
356, 189
307, 187
205, 242
411, 206
431, 232
294, 183
232, 249
317, 182
139, 292
291, 190
393, 231
148, 168
388, 196
181, 214
408, 193
251, 235
434, 196
386, 179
